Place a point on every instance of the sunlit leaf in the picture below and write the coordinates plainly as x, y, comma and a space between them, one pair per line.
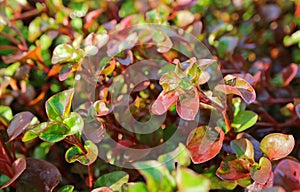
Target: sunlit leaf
113, 180
232, 169
58, 106
67, 188
163, 102
156, 175
189, 181
5, 114
74, 122
244, 120
204, 143
135, 187
277, 145
260, 172
188, 105
76, 154
54, 133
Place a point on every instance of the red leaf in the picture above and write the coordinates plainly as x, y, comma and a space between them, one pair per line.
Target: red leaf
19, 123
232, 169
188, 105
203, 143
18, 167
287, 174
288, 73
164, 102
297, 109
261, 174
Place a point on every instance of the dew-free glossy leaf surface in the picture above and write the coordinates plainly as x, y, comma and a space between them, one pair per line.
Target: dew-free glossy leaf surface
113, 180
19, 123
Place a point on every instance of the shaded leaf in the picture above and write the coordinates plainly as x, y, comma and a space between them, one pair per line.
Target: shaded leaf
243, 148
18, 168
277, 145
39, 175
113, 180
19, 123
102, 108
287, 174
94, 131
204, 143
288, 74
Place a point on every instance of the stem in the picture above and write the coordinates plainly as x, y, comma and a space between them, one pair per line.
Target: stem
228, 124
90, 177
27, 14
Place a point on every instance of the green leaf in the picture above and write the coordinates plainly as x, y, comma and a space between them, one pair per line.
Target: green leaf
189, 181
261, 172
243, 120
277, 145
5, 114
156, 175
65, 53
113, 180
58, 106
243, 148
35, 131
184, 18
67, 188
134, 187
42, 150
76, 154
54, 133
180, 155
74, 123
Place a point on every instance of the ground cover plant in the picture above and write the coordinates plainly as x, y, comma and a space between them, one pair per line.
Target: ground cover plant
158, 96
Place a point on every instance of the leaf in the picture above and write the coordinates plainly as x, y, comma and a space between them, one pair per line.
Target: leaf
58, 106
67, 188
180, 155
113, 180
188, 105
102, 189
102, 108
189, 181
274, 189
74, 122
288, 74
39, 175
19, 123
184, 18
163, 102
94, 131
204, 144
65, 53
243, 120
287, 174
54, 133
5, 114
232, 169
135, 187
157, 176
169, 81
243, 148
297, 109
238, 86
18, 168
277, 145
65, 72
260, 173
256, 145
76, 154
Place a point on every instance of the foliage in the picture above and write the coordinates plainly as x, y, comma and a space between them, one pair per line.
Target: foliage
48, 142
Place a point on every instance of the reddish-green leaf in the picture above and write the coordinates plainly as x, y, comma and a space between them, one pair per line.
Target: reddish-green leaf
243, 148
19, 123
76, 154
288, 74
277, 145
261, 172
187, 105
58, 106
164, 102
204, 143
232, 169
